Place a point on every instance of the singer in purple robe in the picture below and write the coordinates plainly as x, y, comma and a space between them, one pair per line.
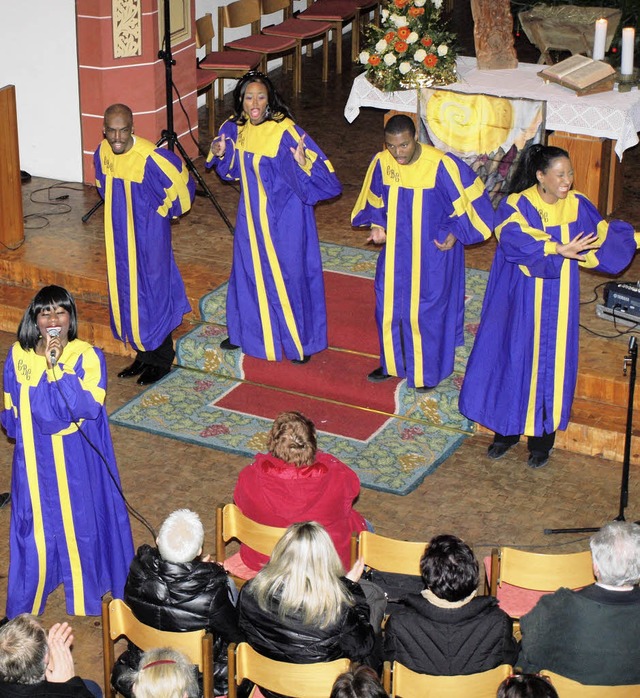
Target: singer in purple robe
69, 523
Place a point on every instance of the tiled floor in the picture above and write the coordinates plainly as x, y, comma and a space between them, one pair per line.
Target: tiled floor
487, 503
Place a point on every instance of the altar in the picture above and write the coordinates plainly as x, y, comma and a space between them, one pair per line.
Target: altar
595, 129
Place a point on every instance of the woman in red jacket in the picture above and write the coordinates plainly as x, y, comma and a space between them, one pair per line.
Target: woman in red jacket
295, 482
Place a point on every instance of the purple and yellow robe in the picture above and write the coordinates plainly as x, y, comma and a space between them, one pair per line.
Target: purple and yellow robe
419, 288
521, 375
69, 523
275, 300
143, 189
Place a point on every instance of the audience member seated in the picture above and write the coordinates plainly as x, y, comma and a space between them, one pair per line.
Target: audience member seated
296, 482
591, 635
300, 608
34, 665
447, 630
165, 673
359, 682
526, 686
172, 587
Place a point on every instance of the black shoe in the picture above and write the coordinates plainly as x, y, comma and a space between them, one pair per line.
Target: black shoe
304, 360
136, 368
378, 375
538, 460
226, 345
151, 374
425, 388
498, 448
5, 498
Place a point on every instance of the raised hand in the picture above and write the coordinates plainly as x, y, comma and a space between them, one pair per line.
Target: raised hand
356, 571
218, 146
60, 662
298, 151
580, 243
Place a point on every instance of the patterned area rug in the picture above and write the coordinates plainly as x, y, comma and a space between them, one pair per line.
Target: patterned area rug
390, 435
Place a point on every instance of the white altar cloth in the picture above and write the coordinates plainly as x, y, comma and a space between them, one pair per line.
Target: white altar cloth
613, 114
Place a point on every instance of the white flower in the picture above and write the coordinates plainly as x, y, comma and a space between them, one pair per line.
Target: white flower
437, 4
419, 3
419, 55
399, 20
381, 45
364, 57
389, 58
385, 14
404, 67
412, 38
443, 49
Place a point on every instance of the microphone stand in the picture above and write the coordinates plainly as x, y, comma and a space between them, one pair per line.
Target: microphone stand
630, 360
168, 135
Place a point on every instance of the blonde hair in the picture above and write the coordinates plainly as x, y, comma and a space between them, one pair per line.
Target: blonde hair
303, 576
165, 673
293, 439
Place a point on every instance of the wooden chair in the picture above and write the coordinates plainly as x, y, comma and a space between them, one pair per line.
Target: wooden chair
518, 578
118, 621
247, 13
567, 688
305, 33
405, 683
232, 524
337, 13
294, 680
222, 64
387, 554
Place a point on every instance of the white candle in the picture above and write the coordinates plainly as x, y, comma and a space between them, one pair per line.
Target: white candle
628, 42
599, 39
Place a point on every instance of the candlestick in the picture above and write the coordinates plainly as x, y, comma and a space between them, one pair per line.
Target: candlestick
599, 39
628, 42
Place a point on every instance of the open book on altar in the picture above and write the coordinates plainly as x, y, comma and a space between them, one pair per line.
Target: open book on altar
581, 74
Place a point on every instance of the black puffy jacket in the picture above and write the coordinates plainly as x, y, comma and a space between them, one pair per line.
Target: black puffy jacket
290, 640
450, 641
178, 597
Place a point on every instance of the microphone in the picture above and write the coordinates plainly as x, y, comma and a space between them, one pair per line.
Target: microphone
53, 332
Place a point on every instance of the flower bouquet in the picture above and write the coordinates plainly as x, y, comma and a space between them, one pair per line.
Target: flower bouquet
410, 48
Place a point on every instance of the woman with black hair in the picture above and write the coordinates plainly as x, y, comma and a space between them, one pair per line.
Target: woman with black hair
521, 374
69, 523
275, 302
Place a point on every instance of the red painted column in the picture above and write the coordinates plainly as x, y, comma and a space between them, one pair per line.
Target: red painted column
135, 80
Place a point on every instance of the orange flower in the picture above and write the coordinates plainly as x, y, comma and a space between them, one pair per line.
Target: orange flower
401, 46
426, 42
430, 60
389, 37
416, 11
374, 60
403, 32
401, 3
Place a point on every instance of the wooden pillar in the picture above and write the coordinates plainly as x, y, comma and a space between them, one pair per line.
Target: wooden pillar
11, 222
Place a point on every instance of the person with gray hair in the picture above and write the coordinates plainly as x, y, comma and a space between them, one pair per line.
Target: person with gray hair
174, 587
591, 635
35, 664
165, 673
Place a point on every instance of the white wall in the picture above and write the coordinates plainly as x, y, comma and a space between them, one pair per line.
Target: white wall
39, 57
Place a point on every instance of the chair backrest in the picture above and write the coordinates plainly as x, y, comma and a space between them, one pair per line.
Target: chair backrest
232, 524
567, 688
239, 13
390, 555
406, 683
294, 680
205, 32
118, 621
270, 6
539, 571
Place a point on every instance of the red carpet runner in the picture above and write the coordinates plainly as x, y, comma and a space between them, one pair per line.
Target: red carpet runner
332, 389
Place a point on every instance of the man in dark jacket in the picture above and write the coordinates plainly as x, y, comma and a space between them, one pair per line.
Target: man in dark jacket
172, 588
591, 635
34, 665
445, 630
